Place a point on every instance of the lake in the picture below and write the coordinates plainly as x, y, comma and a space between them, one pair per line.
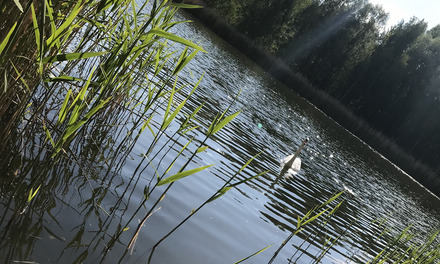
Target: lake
88, 199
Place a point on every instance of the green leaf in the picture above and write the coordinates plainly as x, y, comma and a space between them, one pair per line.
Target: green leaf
214, 129
67, 25
201, 149
189, 129
66, 78
180, 153
32, 193
48, 136
63, 111
313, 218
104, 4
175, 38
256, 253
72, 129
72, 56
248, 162
17, 3
170, 102
78, 101
184, 61
6, 40
146, 123
219, 193
53, 27
36, 29
173, 115
181, 175
332, 198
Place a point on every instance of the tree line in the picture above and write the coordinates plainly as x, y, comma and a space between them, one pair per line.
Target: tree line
388, 76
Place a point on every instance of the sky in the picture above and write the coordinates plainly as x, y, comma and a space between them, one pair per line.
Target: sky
405, 9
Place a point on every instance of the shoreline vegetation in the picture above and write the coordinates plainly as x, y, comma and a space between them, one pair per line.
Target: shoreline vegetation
78, 91
280, 70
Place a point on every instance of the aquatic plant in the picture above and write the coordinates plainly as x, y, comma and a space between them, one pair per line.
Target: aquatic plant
311, 216
100, 74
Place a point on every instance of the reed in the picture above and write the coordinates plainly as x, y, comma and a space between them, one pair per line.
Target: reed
99, 69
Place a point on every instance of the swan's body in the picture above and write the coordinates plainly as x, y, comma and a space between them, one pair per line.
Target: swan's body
292, 163
296, 164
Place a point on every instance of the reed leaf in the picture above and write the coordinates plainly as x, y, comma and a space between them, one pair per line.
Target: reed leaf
32, 194
217, 126
17, 3
67, 25
66, 78
332, 198
184, 60
53, 27
74, 127
36, 29
6, 40
63, 110
175, 159
313, 218
201, 149
173, 115
172, 37
256, 253
220, 193
72, 56
48, 136
181, 175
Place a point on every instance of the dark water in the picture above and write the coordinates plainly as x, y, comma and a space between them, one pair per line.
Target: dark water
84, 204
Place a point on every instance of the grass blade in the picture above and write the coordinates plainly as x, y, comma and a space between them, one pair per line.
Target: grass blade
33, 193
67, 25
36, 29
201, 149
220, 193
17, 3
6, 40
214, 129
63, 111
256, 253
175, 38
72, 56
181, 175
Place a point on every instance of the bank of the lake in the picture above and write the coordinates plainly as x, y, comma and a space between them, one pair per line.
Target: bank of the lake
329, 105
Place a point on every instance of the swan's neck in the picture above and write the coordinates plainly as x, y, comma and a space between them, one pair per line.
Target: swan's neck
290, 162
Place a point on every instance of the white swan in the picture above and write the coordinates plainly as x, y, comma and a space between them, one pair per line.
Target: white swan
292, 162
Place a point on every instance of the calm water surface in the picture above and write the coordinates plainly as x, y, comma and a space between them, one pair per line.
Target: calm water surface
67, 226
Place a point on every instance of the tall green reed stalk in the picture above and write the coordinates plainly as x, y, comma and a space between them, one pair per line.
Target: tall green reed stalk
311, 216
407, 247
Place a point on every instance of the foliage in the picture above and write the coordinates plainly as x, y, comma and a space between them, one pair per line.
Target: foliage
97, 74
385, 76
